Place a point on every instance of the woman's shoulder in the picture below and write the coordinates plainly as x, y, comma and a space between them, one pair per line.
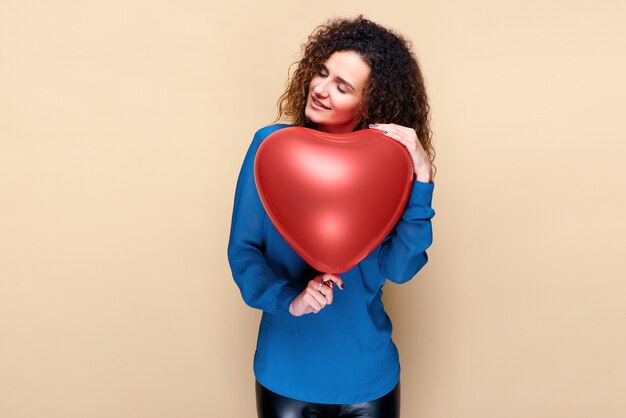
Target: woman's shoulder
265, 131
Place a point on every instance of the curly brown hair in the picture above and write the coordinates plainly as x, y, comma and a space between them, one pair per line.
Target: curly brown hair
394, 91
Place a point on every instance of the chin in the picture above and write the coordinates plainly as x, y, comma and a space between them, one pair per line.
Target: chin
312, 116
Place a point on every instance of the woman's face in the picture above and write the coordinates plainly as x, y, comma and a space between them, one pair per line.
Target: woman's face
335, 91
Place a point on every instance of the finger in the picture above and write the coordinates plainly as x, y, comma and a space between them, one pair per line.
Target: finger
321, 286
393, 133
411, 145
389, 127
326, 278
401, 138
383, 127
399, 130
316, 287
392, 127
333, 278
312, 302
318, 283
327, 291
320, 298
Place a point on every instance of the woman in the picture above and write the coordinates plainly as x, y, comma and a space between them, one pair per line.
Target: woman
341, 361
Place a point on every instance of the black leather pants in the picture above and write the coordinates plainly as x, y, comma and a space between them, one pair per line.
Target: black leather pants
272, 405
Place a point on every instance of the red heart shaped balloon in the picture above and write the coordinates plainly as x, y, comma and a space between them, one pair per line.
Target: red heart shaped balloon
333, 197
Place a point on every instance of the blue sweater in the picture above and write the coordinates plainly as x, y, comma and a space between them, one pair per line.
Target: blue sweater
344, 354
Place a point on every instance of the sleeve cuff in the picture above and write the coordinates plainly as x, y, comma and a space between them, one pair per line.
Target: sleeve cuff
421, 194
284, 297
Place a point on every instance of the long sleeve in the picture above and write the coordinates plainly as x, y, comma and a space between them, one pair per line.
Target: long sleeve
403, 251
259, 285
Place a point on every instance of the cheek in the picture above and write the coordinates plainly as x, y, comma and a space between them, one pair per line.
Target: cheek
346, 104
314, 82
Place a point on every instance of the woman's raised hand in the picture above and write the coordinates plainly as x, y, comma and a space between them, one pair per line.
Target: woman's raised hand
408, 137
317, 294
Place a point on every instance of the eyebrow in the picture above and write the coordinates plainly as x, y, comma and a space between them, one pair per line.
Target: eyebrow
340, 79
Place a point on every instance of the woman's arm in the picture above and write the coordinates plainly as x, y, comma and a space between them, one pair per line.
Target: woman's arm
403, 251
259, 285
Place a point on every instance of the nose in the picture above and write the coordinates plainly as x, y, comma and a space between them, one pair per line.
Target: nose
321, 88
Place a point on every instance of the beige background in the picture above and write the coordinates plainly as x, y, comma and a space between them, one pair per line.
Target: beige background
123, 125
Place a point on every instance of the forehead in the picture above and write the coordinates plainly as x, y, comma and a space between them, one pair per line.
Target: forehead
349, 66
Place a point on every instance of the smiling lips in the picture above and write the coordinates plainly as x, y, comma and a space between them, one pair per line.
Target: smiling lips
318, 103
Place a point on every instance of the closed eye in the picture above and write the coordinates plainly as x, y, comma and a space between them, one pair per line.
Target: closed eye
338, 84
